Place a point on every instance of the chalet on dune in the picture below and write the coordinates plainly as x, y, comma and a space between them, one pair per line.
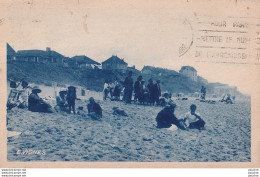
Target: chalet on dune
83, 62
114, 63
40, 56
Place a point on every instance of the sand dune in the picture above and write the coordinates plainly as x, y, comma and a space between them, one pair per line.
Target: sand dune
64, 137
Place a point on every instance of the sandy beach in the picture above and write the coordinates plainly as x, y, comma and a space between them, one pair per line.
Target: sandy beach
68, 137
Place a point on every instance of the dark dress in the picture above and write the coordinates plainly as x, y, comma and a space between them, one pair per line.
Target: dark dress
117, 91
137, 90
36, 104
71, 97
165, 118
128, 83
94, 107
151, 88
157, 92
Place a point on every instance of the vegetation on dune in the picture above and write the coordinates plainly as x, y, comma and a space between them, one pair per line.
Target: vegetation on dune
93, 79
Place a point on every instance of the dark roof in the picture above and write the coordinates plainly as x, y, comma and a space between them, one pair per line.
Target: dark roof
31, 53
188, 68
38, 53
54, 54
114, 59
10, 50
84, 59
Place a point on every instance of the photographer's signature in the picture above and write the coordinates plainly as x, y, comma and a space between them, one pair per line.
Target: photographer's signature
30, 152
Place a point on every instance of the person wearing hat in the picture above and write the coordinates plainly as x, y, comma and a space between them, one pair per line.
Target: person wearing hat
193, 119
157, 92
71, 97
94, 109
36, 104
137, 88
166, 117
117, 91
128, 84
151, 89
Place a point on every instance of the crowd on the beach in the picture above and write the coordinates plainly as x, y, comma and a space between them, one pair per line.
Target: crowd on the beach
23, 96
145, 94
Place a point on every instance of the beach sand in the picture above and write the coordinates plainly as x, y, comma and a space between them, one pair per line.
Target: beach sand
68, 137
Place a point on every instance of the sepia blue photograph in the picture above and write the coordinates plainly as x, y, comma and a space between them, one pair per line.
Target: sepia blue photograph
87, 84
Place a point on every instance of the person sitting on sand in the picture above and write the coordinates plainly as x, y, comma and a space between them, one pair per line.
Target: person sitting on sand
36, 104
94, 109
61, 104
26, 90
193, 119
166, 117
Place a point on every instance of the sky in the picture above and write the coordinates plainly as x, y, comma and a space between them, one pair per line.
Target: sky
142, 36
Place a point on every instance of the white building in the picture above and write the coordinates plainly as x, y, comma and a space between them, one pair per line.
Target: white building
189, 72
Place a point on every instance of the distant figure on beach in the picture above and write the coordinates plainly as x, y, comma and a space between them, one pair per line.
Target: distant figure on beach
165, 99
36, 104
157, 92
94, 109
144, 95
151, 89
111, 86
203, 93
193, 119
137, 89
166, 117
61, 103
105, 90
227, 99
71, 97
128, 84
117, 91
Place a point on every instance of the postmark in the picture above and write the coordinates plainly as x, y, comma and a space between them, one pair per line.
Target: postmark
188, 39
227, 40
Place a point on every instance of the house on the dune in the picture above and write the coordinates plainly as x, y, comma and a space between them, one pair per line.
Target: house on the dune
83, 62
114, 63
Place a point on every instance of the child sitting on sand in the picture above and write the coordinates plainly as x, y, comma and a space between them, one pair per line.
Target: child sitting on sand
193, 119
94, 109
61, 102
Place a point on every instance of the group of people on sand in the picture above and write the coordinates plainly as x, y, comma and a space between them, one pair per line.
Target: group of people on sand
166, 118
112, 90
65, 102
27, 97
147, 94
143, 93
18, 96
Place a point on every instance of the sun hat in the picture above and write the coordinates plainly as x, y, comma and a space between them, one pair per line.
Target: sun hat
36, 88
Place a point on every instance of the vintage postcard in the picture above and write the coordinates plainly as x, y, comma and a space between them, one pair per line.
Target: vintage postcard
130, 83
